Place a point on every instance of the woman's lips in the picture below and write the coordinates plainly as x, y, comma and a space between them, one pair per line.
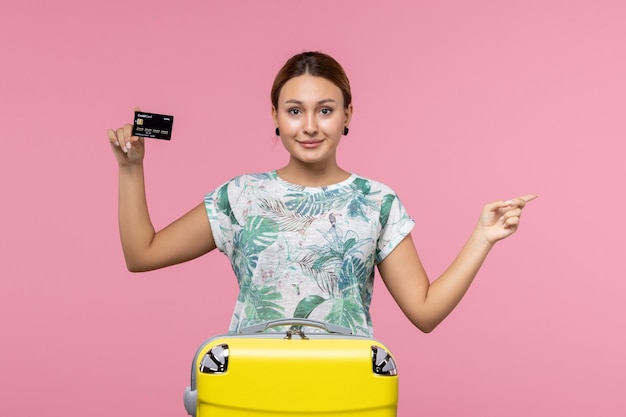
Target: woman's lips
310, 144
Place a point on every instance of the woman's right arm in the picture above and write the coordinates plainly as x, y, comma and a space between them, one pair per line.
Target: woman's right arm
144, 249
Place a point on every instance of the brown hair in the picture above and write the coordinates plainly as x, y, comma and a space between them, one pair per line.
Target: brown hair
316, 64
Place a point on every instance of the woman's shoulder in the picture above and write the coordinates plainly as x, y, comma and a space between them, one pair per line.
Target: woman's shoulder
370, 185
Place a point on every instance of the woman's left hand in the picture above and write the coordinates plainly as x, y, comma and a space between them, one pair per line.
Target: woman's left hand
500, 219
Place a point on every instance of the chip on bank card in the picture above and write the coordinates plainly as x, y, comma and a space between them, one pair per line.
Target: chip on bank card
152, 125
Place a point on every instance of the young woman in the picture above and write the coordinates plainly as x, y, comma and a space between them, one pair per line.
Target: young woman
304, 240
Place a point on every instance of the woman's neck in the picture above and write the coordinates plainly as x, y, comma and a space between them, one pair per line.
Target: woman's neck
308, 175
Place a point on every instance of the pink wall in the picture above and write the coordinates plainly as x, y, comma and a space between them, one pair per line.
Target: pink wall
456, 103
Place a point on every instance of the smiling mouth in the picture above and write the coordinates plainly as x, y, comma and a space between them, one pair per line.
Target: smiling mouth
310, 143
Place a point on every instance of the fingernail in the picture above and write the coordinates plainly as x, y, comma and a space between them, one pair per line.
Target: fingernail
509, 202
117, 143
128, 145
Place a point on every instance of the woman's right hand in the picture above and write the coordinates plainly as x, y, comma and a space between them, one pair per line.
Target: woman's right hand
128, 149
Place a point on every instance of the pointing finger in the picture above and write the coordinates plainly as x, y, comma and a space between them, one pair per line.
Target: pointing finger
521, 201
529, 197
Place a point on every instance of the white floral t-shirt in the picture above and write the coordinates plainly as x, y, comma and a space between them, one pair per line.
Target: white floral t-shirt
305, 252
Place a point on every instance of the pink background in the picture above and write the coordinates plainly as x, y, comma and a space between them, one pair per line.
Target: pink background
457, 103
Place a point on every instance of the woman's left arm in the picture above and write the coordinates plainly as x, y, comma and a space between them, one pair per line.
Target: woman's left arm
427, 304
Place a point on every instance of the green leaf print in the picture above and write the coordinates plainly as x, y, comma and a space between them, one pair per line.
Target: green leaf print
311, 204
223, 204
287, 220
339, 245
307, 305
362, 199
259, 233
349, 244
321, 270
345, 312
323, 263
352, 272
244, 265
323, 259
385, 209
363, 185
260, 305
355, 208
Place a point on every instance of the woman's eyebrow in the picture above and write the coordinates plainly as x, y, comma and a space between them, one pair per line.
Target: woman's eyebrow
324, 101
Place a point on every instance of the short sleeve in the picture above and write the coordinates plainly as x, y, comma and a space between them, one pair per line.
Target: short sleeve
219, 213
395, 226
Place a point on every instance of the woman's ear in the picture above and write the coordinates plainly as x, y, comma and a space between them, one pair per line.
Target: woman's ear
275, 116
348, 111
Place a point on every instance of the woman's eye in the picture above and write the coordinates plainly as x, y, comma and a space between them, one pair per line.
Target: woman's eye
294, 111
326, 111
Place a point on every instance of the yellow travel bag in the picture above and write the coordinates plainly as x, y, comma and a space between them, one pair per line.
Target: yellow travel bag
292, 373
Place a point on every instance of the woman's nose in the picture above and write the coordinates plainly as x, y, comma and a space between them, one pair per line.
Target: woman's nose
310, 125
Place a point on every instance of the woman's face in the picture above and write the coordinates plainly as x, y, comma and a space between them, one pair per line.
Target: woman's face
311, 118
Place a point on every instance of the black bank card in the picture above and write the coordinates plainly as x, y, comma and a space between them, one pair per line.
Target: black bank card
152, 125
